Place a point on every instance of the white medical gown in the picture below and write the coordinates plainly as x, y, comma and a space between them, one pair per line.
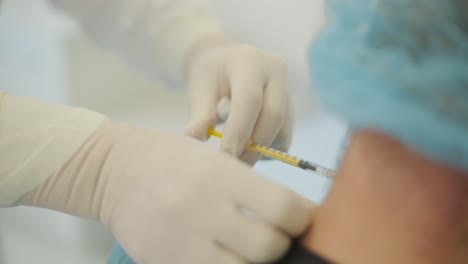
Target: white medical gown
37, 138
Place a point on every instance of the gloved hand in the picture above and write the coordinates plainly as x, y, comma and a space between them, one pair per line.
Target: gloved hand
253, 82
170, 199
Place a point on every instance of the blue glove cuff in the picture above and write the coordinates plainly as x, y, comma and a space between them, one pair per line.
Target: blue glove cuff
118, 256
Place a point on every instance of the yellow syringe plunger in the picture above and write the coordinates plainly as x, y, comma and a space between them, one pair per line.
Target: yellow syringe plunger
282, 156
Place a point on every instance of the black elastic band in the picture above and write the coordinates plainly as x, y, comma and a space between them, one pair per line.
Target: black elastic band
299, 255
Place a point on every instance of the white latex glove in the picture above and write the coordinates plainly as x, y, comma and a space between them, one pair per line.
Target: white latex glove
255, 82
171, 199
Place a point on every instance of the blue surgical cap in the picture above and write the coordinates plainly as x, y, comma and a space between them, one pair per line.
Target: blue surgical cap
401, 67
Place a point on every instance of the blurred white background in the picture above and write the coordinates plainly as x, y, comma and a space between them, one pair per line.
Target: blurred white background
43, 54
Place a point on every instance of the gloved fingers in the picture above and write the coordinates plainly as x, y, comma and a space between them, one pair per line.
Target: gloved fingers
246, 103
253, 239
203, 99
204, 250
273, 203
225, 256
283, 140
273, 114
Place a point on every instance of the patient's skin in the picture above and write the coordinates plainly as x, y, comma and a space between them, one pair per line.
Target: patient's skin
391, 205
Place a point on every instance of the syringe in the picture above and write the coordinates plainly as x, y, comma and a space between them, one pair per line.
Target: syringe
284, 157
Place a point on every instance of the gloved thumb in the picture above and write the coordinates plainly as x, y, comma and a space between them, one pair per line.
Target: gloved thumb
197, 128
203, 100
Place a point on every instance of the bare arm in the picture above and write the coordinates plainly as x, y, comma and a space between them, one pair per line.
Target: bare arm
391, 205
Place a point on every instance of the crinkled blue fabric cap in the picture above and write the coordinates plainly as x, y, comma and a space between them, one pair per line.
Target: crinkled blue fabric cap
118, 256
399, 66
